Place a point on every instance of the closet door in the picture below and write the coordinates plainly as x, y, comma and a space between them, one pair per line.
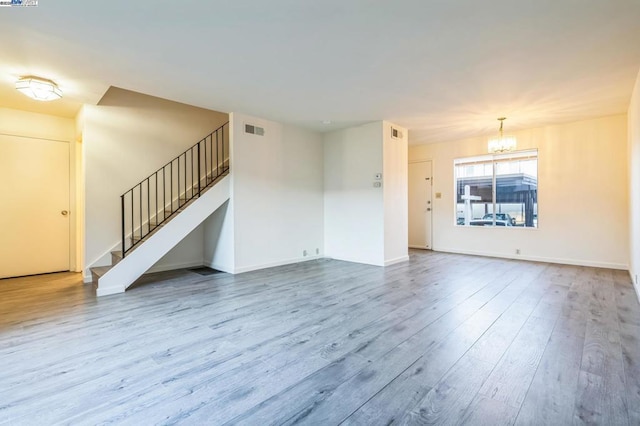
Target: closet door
34, 216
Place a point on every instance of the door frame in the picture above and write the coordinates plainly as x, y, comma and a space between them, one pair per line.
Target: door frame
430, 230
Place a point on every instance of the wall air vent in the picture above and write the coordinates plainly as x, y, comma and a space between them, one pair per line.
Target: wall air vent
254, 130
396, 134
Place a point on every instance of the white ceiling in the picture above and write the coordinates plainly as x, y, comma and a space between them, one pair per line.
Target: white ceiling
446, 69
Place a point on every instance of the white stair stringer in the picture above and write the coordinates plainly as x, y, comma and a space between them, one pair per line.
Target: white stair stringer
138, 261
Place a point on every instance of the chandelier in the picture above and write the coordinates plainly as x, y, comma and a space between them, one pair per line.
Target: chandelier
502, 143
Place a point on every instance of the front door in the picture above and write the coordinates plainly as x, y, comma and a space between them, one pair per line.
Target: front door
420, 206
34, 218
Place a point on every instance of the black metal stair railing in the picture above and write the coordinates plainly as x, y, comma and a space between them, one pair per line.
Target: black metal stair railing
163, 193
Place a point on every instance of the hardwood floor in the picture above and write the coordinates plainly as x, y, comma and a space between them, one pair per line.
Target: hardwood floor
442, 339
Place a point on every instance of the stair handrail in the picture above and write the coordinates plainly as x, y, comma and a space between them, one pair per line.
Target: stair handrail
179, 155
192, 164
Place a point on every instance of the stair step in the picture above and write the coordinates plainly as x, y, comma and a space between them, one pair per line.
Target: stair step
152, 229
116, 256
168, 212
99, 271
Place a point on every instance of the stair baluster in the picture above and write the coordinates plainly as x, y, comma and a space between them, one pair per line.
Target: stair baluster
199, 173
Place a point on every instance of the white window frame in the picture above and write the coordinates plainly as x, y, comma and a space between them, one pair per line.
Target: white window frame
493, 159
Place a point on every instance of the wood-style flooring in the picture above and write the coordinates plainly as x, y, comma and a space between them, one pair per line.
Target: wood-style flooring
442, 339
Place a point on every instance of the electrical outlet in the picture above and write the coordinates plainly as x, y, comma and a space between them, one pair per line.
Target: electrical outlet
517, 251
304, 252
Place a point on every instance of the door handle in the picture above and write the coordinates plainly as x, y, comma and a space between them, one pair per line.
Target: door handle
64, 212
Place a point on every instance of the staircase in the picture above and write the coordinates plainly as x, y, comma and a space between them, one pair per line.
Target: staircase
162, 209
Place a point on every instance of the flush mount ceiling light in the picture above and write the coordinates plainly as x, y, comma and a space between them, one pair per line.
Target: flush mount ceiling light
38, 88
503, 143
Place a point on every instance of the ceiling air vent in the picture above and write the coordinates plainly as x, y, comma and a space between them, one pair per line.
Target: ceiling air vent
396, 134
254, 130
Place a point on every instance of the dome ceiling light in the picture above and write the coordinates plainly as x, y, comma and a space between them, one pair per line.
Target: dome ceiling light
38, 88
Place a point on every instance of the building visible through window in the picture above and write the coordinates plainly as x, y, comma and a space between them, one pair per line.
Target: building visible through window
497, 190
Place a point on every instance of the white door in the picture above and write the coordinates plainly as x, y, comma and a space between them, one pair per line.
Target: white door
34, 218
420, 206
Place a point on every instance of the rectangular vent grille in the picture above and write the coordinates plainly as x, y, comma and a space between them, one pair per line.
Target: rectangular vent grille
254, 130
396, 134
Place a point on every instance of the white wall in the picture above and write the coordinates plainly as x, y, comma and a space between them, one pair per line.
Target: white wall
219, 244
126, 137
583, 213
634, 184
187, 253
277, 203
395, 193
353, 207
42, 126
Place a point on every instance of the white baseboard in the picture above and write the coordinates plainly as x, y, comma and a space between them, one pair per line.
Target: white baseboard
87, 278
104, 259
298, 260
354, 261
101, 291
396, 260
577, 262
172, 266
218, 267
419, 247
274, 264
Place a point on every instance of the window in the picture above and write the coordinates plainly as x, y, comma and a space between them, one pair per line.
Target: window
497, 190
